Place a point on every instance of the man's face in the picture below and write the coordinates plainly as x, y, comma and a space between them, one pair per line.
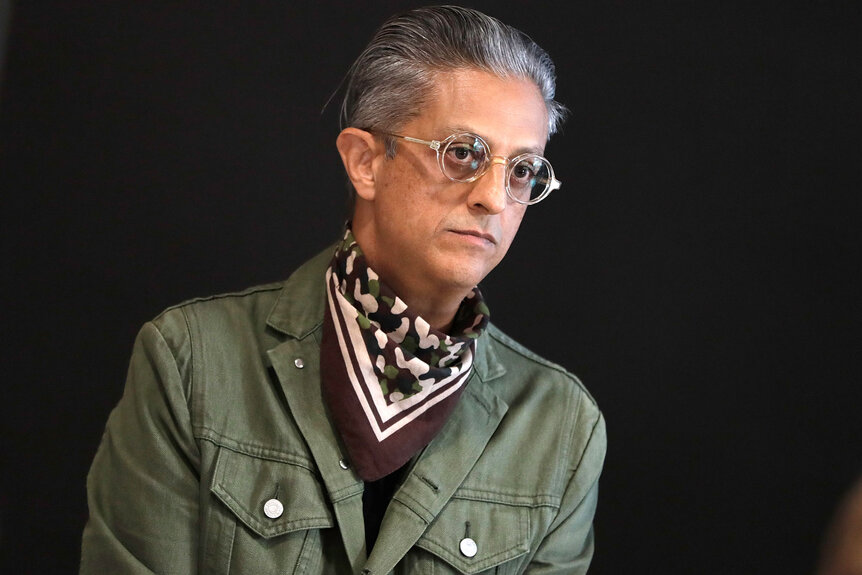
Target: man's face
428, 234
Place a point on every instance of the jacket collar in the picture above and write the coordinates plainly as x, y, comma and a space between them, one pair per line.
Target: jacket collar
299, 309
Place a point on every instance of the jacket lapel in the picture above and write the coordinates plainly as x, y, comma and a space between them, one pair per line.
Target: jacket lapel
299, 314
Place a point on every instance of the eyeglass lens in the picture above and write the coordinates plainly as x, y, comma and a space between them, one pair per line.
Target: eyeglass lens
466, 156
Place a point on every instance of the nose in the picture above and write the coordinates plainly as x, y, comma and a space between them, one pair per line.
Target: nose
489, 191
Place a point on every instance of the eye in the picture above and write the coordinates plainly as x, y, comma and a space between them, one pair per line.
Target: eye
524, 171
466, 152
464, 157
460, 153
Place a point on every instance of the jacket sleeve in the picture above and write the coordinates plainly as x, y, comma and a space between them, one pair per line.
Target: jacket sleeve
568, 546
143, 485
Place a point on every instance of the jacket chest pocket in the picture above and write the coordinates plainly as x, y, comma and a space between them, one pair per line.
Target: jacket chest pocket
277, 509
474, 536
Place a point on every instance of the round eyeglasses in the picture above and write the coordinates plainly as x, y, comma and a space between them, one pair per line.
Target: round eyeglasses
465, 157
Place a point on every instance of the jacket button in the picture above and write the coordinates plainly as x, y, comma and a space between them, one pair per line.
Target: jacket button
468, 547
273, 509
299, 363
343, 464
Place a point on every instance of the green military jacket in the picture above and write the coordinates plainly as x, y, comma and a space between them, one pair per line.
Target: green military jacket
222, 412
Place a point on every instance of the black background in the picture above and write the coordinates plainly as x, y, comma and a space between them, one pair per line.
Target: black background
698, 269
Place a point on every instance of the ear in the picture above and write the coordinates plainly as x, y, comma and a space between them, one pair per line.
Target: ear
359, 152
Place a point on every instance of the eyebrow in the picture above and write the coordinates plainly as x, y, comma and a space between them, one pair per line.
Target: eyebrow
451, 129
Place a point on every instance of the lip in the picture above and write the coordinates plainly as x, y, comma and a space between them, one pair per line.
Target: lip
477, 234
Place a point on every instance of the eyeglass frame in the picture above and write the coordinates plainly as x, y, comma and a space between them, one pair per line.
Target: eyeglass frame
439, 145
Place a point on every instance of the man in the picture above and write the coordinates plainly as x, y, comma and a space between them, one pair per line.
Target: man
364, 416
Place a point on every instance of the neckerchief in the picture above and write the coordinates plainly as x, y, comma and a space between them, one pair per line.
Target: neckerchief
389, 379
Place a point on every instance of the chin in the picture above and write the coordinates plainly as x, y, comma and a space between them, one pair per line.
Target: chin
466, 277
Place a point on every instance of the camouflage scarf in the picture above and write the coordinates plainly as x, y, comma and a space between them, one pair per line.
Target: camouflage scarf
389, 379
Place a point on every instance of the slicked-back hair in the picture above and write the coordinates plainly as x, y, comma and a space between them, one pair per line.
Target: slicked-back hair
393, 78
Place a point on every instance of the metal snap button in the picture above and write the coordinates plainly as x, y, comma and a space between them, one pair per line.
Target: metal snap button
299, 363
468, 547
344, 464
273, 509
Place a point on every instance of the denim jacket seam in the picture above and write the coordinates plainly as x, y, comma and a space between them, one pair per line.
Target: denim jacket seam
503, 339
253, 450
451, 558
404, 495
241, 294
588, 441
277, 528
192, 371
583, 452
531, 501
487, 562
187, 379
563, 470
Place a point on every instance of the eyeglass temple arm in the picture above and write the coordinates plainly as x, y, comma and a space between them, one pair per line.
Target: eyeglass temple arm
433, 144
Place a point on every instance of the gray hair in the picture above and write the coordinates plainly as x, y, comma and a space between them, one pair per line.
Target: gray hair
393, 78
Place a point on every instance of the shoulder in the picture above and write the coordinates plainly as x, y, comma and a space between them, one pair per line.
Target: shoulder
290, 306
222, 314
217, 304
199, 330
532, 367
539, 392
552, 422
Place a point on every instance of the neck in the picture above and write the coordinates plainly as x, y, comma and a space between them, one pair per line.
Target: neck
435, 305
438, 312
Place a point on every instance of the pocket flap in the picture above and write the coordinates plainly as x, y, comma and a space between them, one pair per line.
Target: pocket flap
498, 532
246, 483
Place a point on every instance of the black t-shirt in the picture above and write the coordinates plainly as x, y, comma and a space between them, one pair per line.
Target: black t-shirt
375, 500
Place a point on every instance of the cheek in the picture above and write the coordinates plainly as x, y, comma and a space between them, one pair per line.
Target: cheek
511, 224
408, 214
418, 206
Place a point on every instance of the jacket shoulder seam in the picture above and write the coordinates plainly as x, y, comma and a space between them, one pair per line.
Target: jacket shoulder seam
270, 287
505, 340
501, 337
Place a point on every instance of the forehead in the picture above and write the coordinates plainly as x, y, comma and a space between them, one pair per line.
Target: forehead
509, 113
